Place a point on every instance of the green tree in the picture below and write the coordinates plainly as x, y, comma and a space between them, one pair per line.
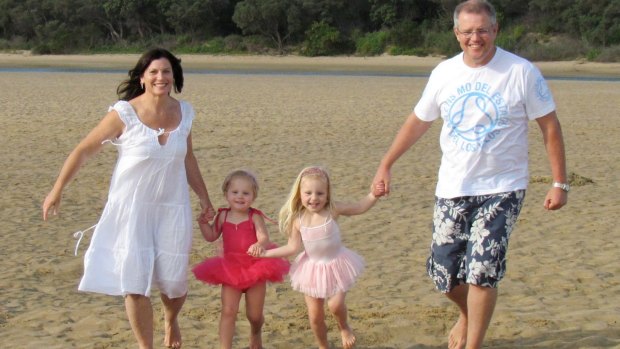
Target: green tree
321, 40
611, 21
390, 13
195, 17
274, 19
347, 16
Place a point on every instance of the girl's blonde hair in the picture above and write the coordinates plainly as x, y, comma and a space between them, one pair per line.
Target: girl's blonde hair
293, 206
241, 174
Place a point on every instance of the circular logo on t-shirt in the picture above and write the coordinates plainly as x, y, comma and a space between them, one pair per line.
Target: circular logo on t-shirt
473, 116
542, 90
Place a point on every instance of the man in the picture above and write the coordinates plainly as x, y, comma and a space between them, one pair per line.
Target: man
485, 96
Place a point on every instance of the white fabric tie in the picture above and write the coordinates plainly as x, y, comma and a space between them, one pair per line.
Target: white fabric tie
79, 235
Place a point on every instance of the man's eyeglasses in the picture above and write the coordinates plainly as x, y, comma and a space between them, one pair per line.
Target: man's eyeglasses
469, 34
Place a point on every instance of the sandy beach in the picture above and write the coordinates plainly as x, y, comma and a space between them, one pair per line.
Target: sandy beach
562, 288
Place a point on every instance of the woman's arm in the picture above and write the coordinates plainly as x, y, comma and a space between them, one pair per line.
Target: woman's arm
108, 128
409, 133
196, 182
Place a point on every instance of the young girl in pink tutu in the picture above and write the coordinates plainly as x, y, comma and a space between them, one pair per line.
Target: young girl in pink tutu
325, 269
244, 233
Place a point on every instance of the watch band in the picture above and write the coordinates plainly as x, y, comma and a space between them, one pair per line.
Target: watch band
563, 186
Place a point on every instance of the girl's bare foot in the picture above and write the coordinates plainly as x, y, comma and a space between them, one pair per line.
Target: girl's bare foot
458, 335
348, 338
173, 335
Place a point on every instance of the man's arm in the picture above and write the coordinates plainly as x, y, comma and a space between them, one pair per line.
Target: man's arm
554, 144
409, 133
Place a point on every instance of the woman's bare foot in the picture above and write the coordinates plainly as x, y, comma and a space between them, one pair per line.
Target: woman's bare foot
256, 341
348, 338
173, 335
458, 334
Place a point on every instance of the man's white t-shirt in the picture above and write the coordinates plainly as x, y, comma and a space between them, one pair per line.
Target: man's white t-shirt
485, 112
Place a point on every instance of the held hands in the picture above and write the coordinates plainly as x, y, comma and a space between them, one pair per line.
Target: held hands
256, 250
381, 181
207, 212
378, 190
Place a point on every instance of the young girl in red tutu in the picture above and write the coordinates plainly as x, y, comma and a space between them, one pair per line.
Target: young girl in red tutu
244, 233
325, 269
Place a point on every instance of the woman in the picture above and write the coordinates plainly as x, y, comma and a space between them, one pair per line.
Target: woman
143, 237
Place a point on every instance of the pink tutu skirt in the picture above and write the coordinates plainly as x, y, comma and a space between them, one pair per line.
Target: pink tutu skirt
321, 279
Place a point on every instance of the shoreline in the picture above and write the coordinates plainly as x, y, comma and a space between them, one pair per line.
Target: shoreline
388, 65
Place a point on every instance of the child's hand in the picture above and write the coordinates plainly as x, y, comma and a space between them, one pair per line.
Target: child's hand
378, 190
203, 218
256, 250
208, 212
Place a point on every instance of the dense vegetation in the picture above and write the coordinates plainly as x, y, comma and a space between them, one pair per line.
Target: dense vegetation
536, 29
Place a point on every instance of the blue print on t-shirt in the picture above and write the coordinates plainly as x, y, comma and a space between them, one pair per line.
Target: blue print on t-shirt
486, 119
542, 90
473, 115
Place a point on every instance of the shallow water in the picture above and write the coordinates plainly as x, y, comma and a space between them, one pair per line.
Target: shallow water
279, 72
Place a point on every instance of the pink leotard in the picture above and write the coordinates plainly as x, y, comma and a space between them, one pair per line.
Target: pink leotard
325, 267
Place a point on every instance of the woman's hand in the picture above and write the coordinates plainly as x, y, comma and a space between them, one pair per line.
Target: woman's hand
51, 204
207, 212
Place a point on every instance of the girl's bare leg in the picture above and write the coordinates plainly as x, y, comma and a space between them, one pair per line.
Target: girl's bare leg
338, 307
140, 313
254, 303
230, 307
172, 308
316, 315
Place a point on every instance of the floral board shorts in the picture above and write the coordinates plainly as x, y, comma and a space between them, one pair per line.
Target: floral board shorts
470, 239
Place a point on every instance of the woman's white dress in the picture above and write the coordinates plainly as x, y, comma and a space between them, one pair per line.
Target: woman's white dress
144, 235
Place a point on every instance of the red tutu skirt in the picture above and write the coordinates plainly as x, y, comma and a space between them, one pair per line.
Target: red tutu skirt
240, 270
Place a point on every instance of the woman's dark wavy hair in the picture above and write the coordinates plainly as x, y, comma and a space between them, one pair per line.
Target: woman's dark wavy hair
130, 88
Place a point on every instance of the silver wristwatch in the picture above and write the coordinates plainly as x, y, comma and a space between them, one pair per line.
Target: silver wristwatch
563, 186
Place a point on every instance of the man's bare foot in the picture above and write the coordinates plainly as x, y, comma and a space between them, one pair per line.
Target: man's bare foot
348, 338
256, 341
173, 335
458, 335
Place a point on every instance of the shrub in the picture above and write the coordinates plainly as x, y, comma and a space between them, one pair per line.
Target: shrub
371, 44
406, 34
509, 39
258, 44
213, 46
402, 51
609, 54
442, 43
321, 40
234, 43
53, 37
553, 48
